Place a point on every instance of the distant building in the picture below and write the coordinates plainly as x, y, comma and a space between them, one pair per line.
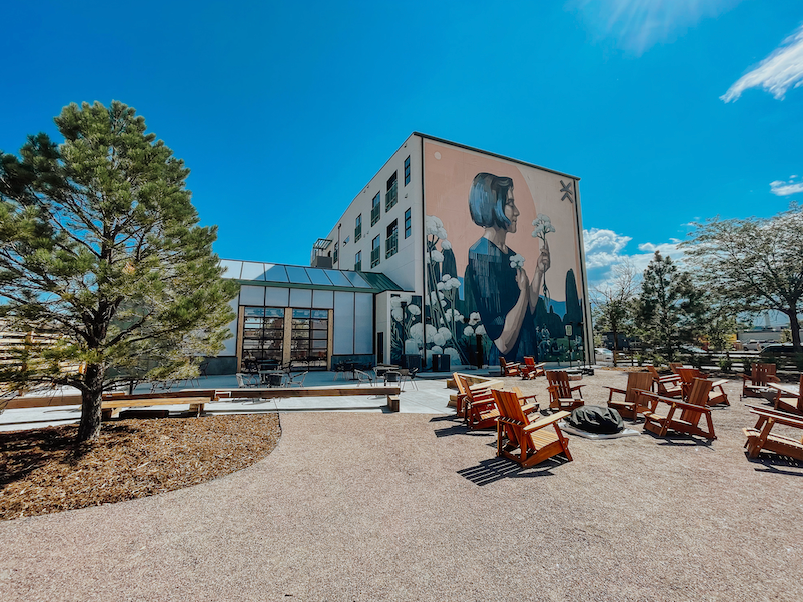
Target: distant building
464, 255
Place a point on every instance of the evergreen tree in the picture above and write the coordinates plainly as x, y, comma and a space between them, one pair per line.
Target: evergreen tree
613, 304
669, 307
100, 245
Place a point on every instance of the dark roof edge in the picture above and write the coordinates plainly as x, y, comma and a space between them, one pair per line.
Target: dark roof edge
498, 156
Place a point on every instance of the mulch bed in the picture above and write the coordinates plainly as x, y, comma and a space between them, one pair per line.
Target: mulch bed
41, 471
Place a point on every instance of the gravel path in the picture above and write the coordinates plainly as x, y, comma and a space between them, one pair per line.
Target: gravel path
412, 507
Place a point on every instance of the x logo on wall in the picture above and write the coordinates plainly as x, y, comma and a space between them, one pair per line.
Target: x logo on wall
568, 191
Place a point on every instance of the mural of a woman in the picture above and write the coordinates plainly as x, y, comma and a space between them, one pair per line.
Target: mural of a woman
503, 293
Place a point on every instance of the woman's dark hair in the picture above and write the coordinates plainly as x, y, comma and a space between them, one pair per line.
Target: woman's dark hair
487, 199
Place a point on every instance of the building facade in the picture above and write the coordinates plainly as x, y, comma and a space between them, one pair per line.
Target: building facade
481, 257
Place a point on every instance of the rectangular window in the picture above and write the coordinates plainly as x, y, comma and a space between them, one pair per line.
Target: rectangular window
346, 241
308, 336
358, 261
408, 223
407, 171
358, 228
375, 209
392, 239
392, 194
263, 335
375, 252
334, 254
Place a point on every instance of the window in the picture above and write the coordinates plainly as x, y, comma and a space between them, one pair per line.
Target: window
375, 209
375, 252
358, 228
408, 223
346, 241
392, 239
263, 334
407, 170
392, 195
309, 334
334, 254
358, 261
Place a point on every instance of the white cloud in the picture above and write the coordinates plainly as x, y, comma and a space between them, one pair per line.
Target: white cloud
605, 250
640, 24
781, 188
781, 70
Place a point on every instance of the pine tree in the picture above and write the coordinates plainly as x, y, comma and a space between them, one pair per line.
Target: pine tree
100, 245
669, 306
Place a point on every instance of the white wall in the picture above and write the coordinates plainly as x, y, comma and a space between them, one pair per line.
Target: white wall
405, 267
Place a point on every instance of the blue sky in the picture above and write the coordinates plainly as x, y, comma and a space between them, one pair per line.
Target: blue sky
670, 111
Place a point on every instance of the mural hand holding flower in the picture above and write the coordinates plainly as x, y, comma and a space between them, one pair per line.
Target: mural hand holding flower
542, 226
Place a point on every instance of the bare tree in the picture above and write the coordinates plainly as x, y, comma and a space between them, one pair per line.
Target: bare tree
612, 303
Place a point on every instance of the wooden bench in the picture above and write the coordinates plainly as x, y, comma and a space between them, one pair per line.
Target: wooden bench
760, 438
112, 403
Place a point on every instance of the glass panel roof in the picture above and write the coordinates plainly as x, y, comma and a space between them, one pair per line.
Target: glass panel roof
337, 278
294, 274
297, 275
357, 280
253, 271
231, 269
275, 273
318, 276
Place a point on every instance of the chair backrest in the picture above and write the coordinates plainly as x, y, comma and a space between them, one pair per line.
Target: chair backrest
674, 366
503, 363
462, 385
760, 373
698, 397
687, 375
637, 380
652, 372
299, 379
240, 383
530, 361
509, 406
392, 376
559, 380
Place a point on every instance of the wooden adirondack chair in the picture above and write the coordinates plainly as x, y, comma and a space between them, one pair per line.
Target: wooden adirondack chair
717, 394
635, 381
532, 370
509, 368
761, 438
673, 366
787, 399
691, 412
761, 375
478, 406
666, 386
535, 440
561, 391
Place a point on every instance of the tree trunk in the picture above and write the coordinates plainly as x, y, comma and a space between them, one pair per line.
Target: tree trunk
615, 345
91, 398
794, 325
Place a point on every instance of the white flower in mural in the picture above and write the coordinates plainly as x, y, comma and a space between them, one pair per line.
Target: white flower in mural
454, 354
397, 313
468, 331
439, 339
414, 309
445, 278
437, 349
395, 302
445, 332
543, 226
474, 318
480, 330
516, 261
446, 245
453, 314
453, 283
441, 285
406, 298
434, 227
444, 304
437, 256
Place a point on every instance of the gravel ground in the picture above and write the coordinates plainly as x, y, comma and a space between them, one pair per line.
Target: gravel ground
357, 506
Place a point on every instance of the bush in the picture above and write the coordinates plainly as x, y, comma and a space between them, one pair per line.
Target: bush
725, 364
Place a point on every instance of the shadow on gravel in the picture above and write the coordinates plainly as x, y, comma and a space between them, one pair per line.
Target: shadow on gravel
679, 440
456, 426
775, 464
496, 469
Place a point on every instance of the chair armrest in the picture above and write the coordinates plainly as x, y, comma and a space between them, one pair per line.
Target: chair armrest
773, 379
719, 383
780, 417
690, 406
670, 378
546, 421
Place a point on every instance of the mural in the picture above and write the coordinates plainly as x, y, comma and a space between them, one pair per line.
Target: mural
498, 236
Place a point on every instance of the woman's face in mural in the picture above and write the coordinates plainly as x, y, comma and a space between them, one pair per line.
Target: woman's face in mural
511, 211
